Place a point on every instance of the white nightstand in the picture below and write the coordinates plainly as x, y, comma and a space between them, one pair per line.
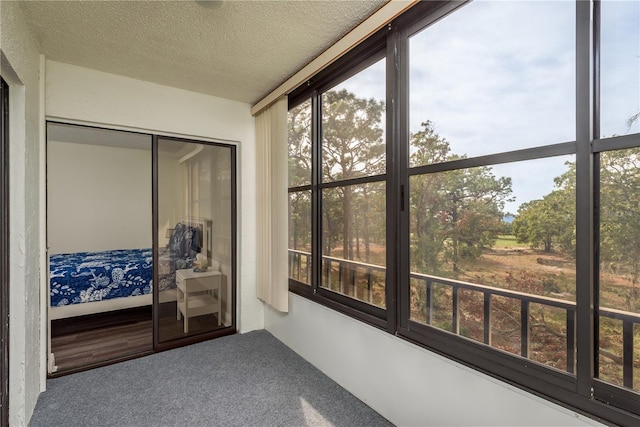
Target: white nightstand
198, 294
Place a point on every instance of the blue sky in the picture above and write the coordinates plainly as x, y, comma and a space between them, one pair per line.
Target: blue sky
508, 81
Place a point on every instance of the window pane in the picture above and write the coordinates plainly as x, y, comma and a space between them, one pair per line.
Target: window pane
354, 241
353, 118
620, 266
300, 236
300, 145
493, 246
620, 68
502, 86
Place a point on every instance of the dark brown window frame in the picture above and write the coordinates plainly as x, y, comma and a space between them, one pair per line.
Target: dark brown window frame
4, 254
581, 391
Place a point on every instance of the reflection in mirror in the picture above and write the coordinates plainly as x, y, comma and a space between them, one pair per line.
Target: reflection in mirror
194, 238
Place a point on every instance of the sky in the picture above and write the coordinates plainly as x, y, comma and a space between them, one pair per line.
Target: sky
508, 81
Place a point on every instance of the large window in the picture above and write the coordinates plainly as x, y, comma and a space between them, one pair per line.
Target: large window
338, 187
618, 201
353, 192
492, 240
461, 191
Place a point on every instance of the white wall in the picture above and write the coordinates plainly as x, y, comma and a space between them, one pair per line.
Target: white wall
171, 198
407, 384
99, 197
88, 96
21, 70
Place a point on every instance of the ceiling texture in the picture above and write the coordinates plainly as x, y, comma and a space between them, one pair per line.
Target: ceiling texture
240, 50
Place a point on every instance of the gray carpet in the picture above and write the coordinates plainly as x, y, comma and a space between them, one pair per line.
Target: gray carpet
241, 380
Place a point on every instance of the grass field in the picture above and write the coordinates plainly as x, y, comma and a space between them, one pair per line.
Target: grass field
507, 241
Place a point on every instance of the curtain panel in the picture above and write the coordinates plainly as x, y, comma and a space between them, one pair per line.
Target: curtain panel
272, 205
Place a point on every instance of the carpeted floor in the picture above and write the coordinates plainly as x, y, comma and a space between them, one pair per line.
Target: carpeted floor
240, 380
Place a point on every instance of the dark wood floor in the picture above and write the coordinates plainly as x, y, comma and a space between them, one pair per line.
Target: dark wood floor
89, 340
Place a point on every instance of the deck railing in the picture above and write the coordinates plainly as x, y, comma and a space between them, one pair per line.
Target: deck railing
300, 266
351, 272
488, 292
628, 321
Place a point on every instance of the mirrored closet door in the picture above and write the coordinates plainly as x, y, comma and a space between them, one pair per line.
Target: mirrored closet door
99, 237
140, 244
195, 188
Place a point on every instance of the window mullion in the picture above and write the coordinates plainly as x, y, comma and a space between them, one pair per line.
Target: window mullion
316, 200
584, 203
393, 56
399, 189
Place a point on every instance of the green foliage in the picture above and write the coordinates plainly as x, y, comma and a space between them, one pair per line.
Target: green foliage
620, 218
352, 130
455, 214
299, 134
507, 228
505, 241
550, 221
300, 220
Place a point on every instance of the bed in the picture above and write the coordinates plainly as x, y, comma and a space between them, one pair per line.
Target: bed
93, 282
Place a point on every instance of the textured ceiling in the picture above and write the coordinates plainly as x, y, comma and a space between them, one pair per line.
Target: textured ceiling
240, 51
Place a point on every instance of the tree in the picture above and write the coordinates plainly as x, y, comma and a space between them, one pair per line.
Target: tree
543, 223
299, 147
427, 236
549, 222
299, 134
352, 147
474, 199
454, 214
300, 220
620, 217
631, 120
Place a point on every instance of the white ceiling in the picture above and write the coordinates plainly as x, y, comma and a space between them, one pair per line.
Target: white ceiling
240, 51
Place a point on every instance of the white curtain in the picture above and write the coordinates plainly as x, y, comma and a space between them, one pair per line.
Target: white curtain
272, 205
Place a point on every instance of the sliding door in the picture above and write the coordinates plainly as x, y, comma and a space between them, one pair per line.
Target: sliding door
195, 239
99, 237
140, 242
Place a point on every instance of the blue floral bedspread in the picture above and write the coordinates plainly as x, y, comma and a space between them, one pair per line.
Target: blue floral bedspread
96, 276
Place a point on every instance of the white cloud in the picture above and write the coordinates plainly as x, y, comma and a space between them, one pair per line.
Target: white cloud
500, 75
